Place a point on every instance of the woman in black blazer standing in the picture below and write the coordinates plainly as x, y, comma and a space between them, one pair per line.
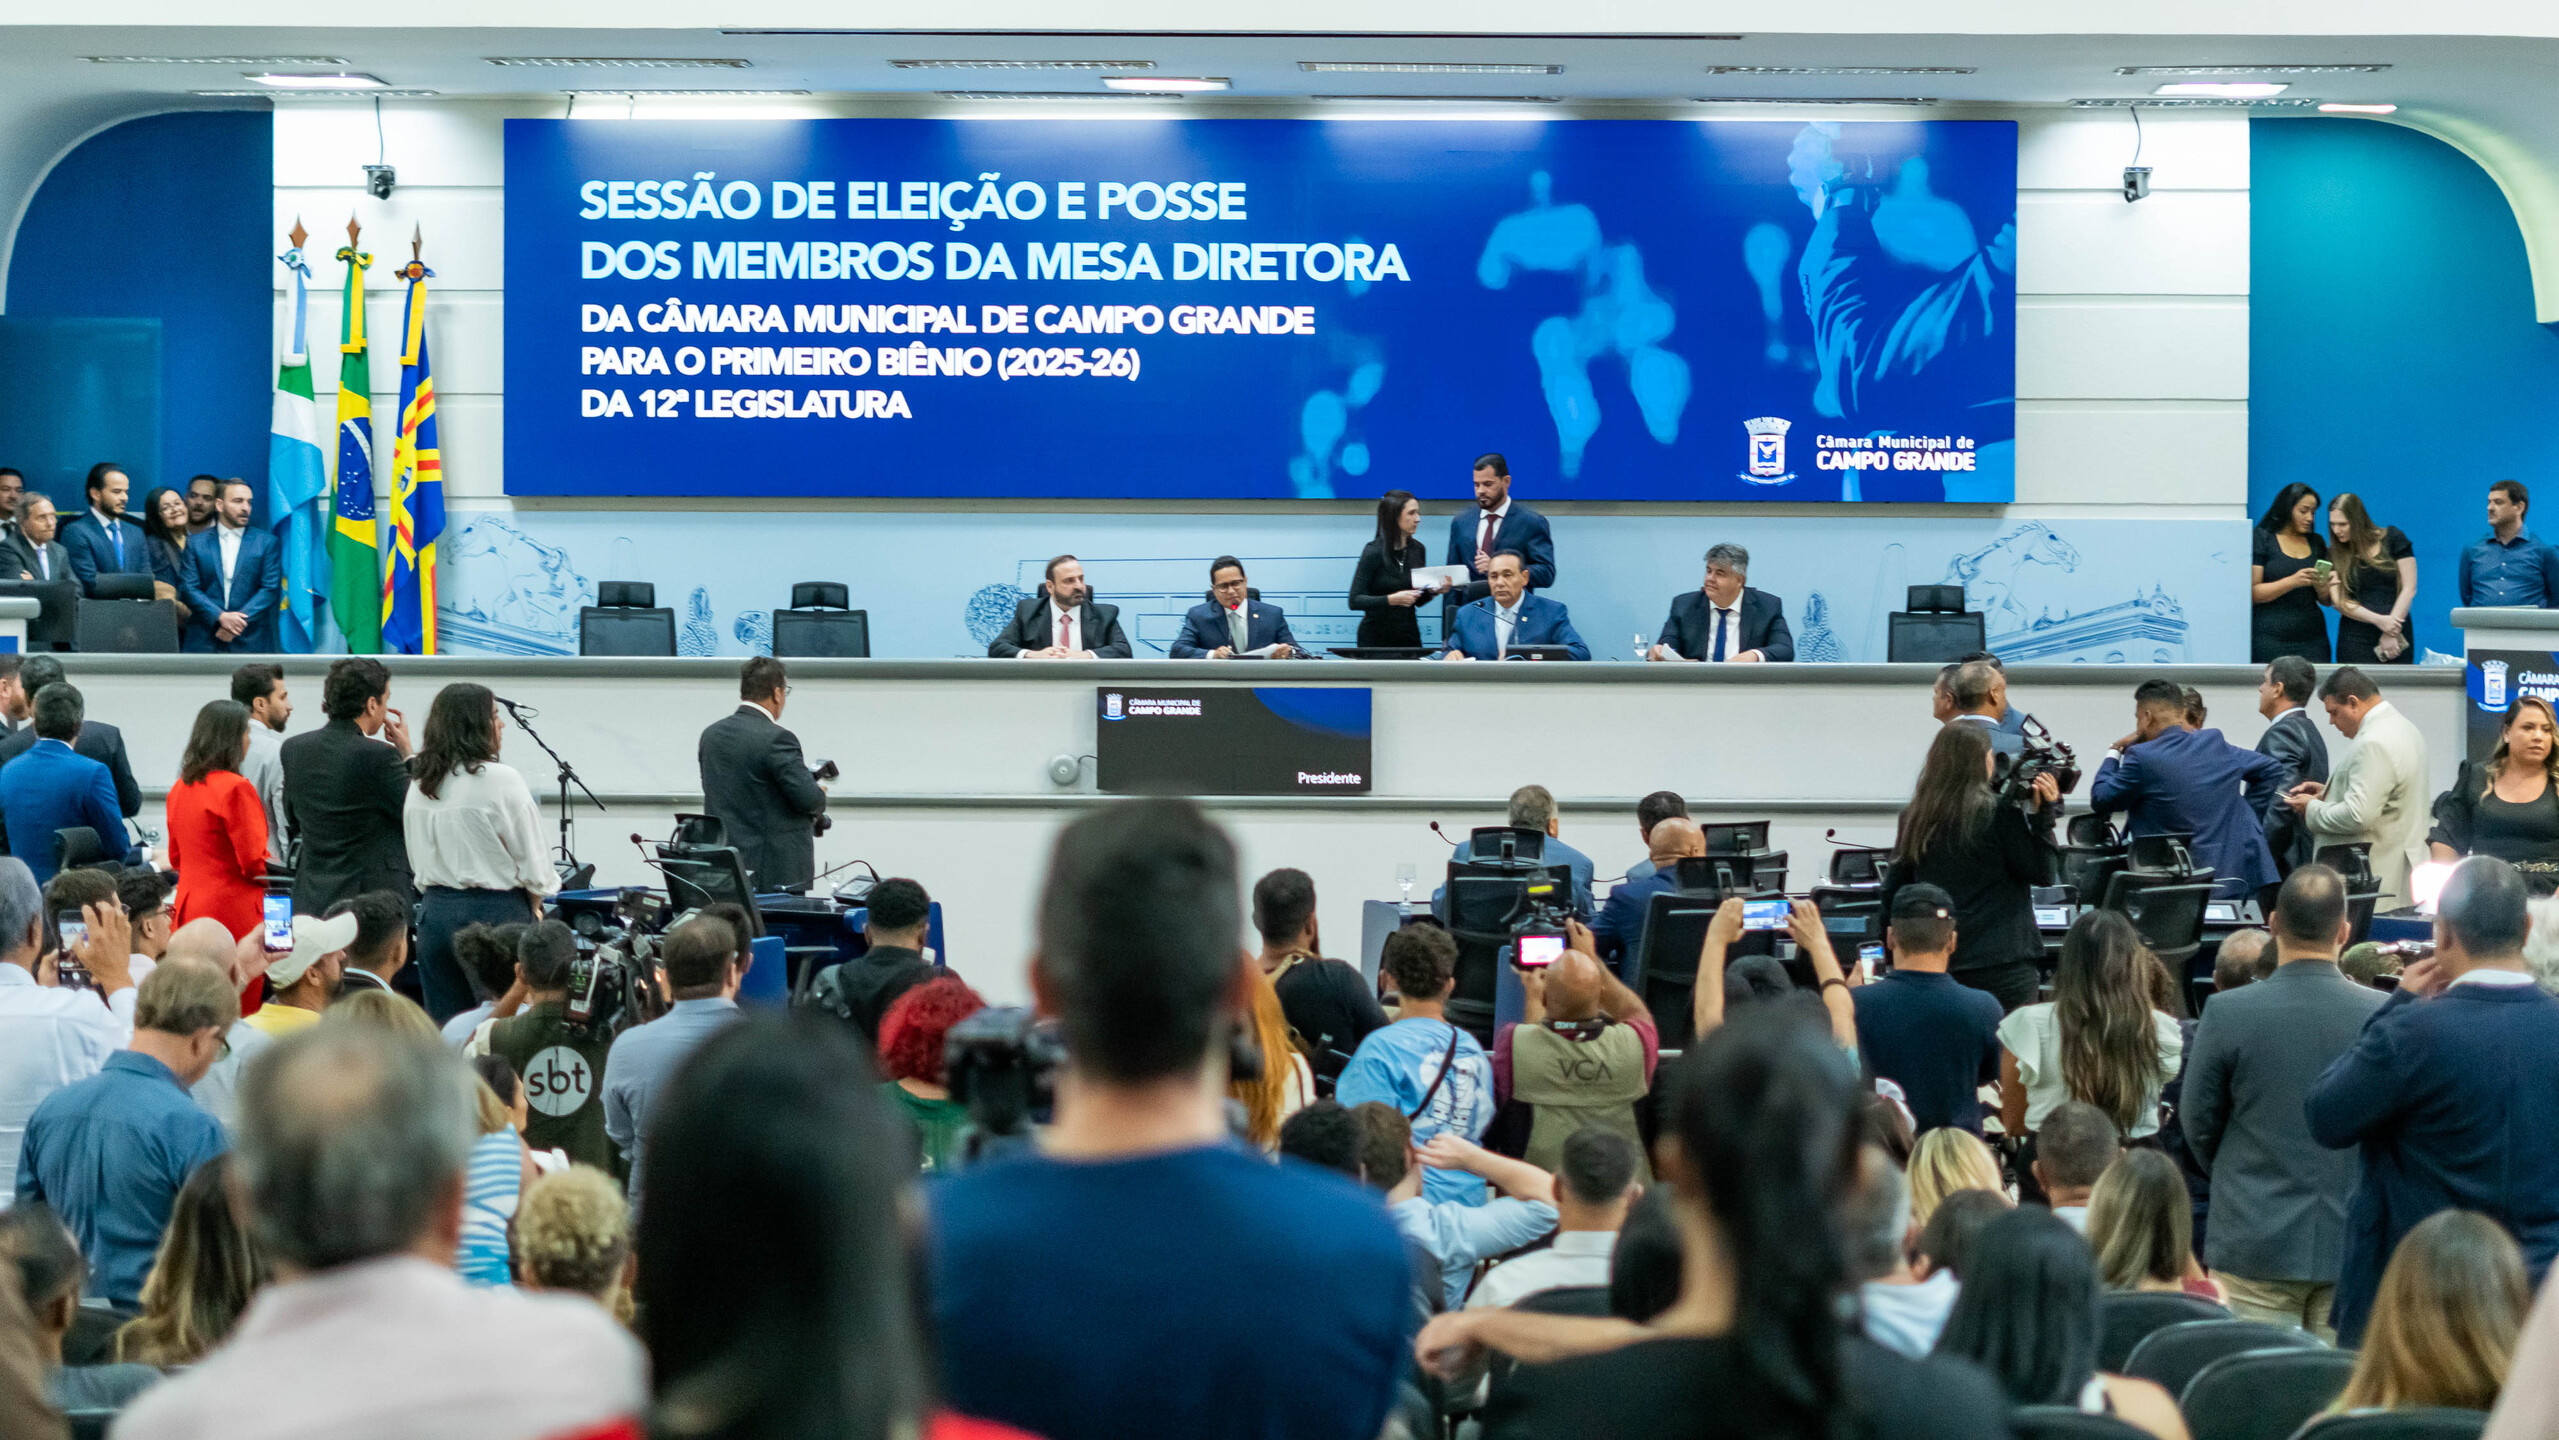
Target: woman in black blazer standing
1382, 587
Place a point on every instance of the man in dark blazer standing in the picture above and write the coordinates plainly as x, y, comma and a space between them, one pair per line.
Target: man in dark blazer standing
98, 740
1062, 622
2448, 1092
1726, 620
101, 541
1497, 523
2292, 738
32, 552
232, 578
346, 785
1233, 623
2173, 780
756, 784
2278, 1228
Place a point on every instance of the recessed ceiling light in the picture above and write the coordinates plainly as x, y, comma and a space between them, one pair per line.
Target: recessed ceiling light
1421, 67
1841, 70
616, 62
2117, 102
2224, 89
2250, 69
217, 59
2333, 109
1045, 96
307, 80
1166, 84
1023, 64
1451, 99
299, 96
722, 94
1813, 100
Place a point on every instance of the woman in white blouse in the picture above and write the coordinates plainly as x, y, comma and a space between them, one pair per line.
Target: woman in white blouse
2098, 1040
475, 840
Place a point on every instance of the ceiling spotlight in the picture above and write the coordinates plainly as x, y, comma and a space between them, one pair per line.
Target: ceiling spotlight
616, 62
309, 80
1840, 69
1023, 64
1051, 96
298, 96
1447, 99
2224, 89
689, 94
217, 59
1422, 67
2335, 109
1812, 100
1166, 84
2250, 69
2145, 102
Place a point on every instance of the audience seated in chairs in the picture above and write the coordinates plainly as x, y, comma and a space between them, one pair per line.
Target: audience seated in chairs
1456, 1235
48, 1272
209, 1266
1581, 1056
2072, 1152
1596, 1183
1946, 1242
2028, 1313
1286, 1084
1945, 1162
301, 983
913, 1066
860, 991
2444, 1326
573, 1235
1422, 1067
1329, 1003
1764, 1113
2141, 1224
94, 738
351, 1156
380, 950
1902, 1310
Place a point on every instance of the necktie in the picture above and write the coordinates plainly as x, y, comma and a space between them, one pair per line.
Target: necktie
1492, 526
1238, 630
1715, 636
115, 532
1065, 625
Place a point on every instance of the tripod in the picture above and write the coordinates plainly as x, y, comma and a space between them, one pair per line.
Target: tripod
567, 858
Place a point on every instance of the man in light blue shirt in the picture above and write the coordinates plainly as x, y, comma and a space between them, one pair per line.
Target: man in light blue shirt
706, 961
2509, 567
1425, 1069
1456, 1237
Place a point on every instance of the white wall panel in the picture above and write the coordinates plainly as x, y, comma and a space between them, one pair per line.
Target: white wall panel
2088, 150
2132, 348
465, 335
2073, 242
464, 230
2129, 458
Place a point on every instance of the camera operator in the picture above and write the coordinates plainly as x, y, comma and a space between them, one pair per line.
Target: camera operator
1988, 856
1143, 1274
1975, 693
755, 783
561, 1060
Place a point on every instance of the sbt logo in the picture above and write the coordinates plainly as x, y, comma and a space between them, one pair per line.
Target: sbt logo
558, 1081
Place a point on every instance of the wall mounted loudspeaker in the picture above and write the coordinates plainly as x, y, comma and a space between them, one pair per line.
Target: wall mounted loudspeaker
1065, 769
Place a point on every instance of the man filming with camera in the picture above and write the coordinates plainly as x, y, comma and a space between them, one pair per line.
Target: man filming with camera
1143, 1275
2173, 780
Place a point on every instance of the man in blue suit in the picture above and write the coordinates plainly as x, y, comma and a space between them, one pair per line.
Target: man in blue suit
50, 788
1619, 930
1232, 623
1497, 523
2447, 1093
1510, 617
100, 540
2176, 780
232, 579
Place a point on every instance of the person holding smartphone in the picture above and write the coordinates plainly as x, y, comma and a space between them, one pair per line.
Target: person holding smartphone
1582, 1053
1803, 923
1989, 856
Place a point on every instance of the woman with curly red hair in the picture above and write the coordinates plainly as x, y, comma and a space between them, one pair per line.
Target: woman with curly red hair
911, 1035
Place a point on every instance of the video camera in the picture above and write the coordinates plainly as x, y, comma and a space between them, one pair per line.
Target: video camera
822, 772
1001, 1063
616, 981
2042, 755
1541, 931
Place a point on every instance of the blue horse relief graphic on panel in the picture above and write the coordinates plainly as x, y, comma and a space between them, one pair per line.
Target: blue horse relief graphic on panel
506, 593
1620, 316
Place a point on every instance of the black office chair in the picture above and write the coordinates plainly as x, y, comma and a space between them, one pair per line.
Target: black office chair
121, 617
2432, 1423
626, 620
1852, 916
90, 1424
1935, 629
2167, 908
91, 1338
1583, 1300
2264, 1394
2061, 1422
2174, 1355
1859, 865
1736, 837
818, 624
75, 846
2125, 1318
2353, 860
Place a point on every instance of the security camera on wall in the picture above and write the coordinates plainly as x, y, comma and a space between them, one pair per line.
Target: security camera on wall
378, 180
2136, 183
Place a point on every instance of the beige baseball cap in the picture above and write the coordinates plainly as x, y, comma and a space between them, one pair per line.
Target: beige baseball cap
312, 938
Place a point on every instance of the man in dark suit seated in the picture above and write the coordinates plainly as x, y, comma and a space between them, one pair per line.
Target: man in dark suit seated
98, 740
1511, 617
1497, 523
2175, 780
1726, 620
232, 579
2447, 1092
1232, 624
1062, 622
2292, 740
101, 541
346, 786
1619, 930
52, 788
758, 786
32, 552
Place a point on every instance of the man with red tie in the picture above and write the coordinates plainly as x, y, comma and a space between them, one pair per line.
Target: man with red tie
1497, 523
1062, 622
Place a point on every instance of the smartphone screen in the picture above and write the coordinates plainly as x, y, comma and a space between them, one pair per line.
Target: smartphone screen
1536, 952
279, 926
1763, 915
72, 927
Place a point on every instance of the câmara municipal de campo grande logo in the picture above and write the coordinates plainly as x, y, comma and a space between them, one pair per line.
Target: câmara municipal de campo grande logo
1767, 450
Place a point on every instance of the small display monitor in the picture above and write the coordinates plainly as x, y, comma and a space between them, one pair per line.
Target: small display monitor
1233, 740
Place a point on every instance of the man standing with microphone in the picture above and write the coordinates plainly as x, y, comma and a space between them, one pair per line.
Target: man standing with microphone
755, 783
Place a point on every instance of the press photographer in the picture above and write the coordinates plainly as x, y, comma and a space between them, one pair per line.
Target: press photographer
1987, 855
771, 803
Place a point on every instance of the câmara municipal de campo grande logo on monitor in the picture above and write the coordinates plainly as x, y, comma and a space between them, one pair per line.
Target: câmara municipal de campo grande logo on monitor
1767, 450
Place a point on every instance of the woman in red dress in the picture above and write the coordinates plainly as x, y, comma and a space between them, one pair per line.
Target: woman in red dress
217, 827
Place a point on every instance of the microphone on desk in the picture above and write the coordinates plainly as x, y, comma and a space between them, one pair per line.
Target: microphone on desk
1442, 834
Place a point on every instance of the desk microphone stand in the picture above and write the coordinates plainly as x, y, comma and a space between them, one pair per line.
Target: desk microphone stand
567, 859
